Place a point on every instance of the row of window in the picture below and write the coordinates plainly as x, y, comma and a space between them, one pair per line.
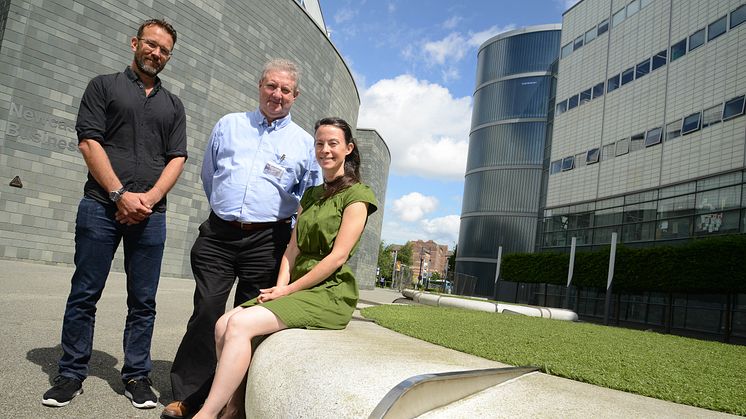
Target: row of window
603, 27
650, 64
690, 123
724, 222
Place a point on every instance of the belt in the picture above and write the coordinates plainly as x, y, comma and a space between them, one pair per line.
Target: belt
249, 226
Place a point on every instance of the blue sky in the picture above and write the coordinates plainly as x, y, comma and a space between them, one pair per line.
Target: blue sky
414, 63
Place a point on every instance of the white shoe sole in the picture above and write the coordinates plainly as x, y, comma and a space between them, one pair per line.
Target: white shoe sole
149, 404
55, 403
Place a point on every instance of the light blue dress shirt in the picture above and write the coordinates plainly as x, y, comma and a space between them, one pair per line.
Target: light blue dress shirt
257, 172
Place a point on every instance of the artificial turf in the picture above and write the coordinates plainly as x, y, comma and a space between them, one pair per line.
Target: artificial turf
700, 373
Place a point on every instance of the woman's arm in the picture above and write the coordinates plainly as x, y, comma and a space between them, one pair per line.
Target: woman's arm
353, 223
288, 258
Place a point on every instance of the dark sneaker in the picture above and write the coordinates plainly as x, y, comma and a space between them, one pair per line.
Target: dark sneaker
140, 394
64, 390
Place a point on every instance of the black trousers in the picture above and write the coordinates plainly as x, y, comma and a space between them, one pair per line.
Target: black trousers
221, 254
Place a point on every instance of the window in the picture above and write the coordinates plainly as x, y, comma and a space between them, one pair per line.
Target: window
590, 35
585, 96
644, 3
678, 50
613, 84
578, 43
633, 8
555, 167
642, 69
636, 142
607, 152
603, 27
628, 75
618, 18
592, 156
673, 130
572, 102
579, 160
598, 90
691, 123
568, 163
622, 147
733, 108
711, 116
659, 59
696, 39
717, 28
566, 50
561, 107
653, 137
738, 16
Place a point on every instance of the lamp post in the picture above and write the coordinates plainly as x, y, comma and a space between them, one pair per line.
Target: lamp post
422, 261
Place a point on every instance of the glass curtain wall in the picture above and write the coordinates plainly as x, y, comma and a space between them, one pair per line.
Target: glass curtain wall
503, 182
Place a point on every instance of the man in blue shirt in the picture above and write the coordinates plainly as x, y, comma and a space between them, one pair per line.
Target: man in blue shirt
256, 167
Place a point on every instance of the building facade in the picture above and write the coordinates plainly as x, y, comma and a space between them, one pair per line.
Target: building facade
430, 256
510, 123
649, 136
51, 49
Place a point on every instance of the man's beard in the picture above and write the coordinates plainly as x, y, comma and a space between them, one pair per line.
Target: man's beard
146, 68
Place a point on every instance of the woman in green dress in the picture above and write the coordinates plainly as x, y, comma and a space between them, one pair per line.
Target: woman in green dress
315, 288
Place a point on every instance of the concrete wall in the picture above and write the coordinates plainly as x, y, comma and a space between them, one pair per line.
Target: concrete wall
375, 159
51, 48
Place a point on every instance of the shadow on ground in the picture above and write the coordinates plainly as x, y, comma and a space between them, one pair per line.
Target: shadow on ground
102, 365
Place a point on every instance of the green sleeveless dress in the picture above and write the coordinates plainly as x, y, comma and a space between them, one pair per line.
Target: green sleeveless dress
330, 303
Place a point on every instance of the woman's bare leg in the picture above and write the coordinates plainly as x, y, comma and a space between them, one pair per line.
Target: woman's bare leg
235, 355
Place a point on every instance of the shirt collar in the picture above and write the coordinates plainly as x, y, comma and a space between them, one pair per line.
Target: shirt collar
259, 119
135, 78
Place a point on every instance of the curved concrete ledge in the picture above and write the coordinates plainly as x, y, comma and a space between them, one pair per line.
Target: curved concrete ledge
465, 303
347, 373
341, 373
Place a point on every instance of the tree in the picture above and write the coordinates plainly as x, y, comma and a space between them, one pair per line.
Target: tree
452, 260
385, 261
435, 277
405, 254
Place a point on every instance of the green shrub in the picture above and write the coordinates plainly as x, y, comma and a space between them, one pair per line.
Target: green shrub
712, 265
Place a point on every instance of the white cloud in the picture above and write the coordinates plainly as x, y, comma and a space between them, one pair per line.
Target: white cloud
413, 206
450, 48
426, 129
452, 22
443, 230
478, 38
343, 15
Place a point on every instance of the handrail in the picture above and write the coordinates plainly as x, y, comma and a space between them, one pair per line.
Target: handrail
423, 393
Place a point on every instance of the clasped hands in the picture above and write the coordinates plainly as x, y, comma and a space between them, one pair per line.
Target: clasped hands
134, 207
269, 294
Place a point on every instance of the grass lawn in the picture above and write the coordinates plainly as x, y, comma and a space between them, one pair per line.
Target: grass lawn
707, 374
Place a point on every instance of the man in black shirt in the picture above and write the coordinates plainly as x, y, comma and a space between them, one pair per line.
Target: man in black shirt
132, 134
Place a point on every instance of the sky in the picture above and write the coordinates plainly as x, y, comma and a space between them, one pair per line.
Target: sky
414, 63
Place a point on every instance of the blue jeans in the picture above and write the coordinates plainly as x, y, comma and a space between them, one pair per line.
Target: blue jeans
97, 236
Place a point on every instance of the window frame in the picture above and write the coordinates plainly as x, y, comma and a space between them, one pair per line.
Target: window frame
657, 138
697, 127
735, 115
692, 46
674, 124
578, 43
615, 85
592, 156
592, 36
629, 74
680, 47
622, 147
603, 27
656, 59
740, 9
724, 20
639, 74
599, 87
570, 105
588, 96
637, 142
560, 108
568, 163
615, 20
564, 52
555, 167
712, 111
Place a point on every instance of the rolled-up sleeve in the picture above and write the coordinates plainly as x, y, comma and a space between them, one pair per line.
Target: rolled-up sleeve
91, 123
177, 140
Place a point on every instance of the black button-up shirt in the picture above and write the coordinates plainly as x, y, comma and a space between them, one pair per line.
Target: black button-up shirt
139, 134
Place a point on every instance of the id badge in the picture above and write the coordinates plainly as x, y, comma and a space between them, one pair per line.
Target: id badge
273, 169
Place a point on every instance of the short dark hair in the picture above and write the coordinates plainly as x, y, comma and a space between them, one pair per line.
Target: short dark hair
352, 160
158, 22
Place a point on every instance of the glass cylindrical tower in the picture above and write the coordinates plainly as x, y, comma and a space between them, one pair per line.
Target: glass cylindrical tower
509, 128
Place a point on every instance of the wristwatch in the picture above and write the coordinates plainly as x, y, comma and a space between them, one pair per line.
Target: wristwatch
115, 196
